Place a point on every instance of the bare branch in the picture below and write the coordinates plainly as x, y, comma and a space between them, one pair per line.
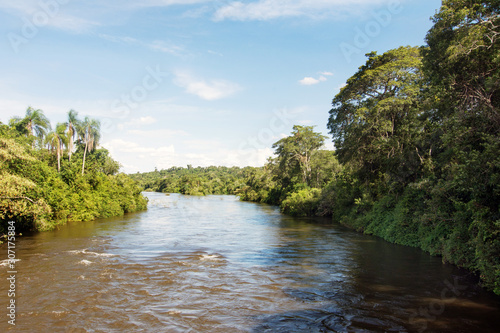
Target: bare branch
14, 198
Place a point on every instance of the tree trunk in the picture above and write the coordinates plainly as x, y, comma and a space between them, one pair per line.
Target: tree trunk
58, 160
70, 148
84, 155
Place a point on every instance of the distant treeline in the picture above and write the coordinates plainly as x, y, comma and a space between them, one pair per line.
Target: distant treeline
192, 181
50, 176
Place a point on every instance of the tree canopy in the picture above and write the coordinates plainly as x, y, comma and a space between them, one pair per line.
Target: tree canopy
40, 188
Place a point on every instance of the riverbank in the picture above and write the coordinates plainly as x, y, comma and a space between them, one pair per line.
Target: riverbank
35, 195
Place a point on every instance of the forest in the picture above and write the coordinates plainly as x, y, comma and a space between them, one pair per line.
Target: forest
417, 148
416, 160
192, 180
51, 176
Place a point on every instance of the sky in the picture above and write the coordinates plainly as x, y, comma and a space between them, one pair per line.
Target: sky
200, 82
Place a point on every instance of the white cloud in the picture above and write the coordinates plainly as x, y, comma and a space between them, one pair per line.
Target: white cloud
215, 53
208, 90
137, 122
164, 3
161, 46
272, 9
157, 45
135, 157
121, 146
158, 134
308, 81
72, 23
26, 6
10, 108
148, 120
119, 39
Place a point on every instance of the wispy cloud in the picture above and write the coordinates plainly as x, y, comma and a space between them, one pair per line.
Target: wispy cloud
119, 145
163, 3
164, 157
48, 14
209, 90
156, 45
84, 16
158, 134
148, 120
138, 122
272, 9
119, 39
162, 46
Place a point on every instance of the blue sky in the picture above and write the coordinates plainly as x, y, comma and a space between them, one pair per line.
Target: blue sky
196, 82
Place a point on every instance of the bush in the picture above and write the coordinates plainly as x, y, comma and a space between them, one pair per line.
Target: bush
305, 202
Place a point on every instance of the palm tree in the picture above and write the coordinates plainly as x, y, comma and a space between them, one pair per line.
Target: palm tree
36, 123
57, 140
72, 125
89, 133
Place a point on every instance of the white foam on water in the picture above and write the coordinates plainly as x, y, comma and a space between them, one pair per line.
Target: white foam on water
210, 257
96, 254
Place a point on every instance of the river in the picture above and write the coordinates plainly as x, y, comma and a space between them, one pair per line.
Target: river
215, 264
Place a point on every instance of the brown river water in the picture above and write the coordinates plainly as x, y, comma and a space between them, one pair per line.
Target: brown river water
215, 264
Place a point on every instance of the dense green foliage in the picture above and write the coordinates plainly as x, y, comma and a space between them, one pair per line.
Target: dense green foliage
193, 181
416, 132
293, 178
300, 169
417, 159
419, 139
40, 187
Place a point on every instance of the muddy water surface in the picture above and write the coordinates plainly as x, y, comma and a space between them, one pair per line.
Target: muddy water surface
214, 264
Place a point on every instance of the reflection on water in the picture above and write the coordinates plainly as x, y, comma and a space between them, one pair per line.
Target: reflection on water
214, 264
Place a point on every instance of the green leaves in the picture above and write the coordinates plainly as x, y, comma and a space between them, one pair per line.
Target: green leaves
89, 132
57, 140
305, 202
37, 197
419, 140
294, 152
193, 181
463, 58
375, 118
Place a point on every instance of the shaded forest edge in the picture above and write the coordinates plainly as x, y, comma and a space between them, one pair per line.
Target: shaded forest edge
51, 176
417, 159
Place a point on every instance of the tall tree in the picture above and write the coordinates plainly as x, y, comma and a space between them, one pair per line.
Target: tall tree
57, 140
35, 121
296, 150
462, 62
72, 125
89, 133
375, 117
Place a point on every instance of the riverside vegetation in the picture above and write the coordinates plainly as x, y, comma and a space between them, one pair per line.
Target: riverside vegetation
417, 159
44, 181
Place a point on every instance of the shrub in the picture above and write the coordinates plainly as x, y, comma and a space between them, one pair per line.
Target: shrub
305, 202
